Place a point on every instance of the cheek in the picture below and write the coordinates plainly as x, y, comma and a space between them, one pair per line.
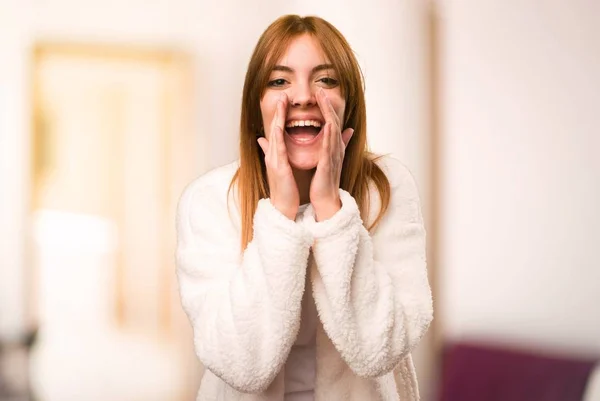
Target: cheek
264, 111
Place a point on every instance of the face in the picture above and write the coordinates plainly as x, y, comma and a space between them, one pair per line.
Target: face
302, 70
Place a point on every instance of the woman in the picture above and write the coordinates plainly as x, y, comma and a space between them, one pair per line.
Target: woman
302, 265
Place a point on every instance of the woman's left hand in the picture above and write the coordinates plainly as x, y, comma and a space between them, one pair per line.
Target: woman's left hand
324, 188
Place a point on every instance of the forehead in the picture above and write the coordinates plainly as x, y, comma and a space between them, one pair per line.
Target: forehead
304, 50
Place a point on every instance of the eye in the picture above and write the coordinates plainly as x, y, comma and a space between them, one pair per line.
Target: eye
329, 82
277, 82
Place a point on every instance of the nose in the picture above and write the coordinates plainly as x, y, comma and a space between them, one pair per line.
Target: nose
302, 95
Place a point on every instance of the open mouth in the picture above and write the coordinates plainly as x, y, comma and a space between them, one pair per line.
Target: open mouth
303, 132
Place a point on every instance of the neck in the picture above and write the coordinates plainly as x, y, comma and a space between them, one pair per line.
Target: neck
303, 179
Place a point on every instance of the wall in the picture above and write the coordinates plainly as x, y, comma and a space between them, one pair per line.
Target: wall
520, 173
13, 145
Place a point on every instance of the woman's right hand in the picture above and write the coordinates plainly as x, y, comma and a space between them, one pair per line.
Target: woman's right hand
282, 185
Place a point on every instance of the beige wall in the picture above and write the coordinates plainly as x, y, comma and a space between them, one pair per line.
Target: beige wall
520, 172
13, 145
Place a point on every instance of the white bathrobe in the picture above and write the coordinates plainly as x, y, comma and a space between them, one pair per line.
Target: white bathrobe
370, 289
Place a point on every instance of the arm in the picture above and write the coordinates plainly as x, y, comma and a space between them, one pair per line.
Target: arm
372, 291
245, 313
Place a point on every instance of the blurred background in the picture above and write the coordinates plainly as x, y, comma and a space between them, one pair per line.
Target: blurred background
109, 108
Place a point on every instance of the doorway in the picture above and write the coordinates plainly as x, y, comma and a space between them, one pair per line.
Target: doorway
112, 148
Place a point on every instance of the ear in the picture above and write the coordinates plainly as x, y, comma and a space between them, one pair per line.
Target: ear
346, 135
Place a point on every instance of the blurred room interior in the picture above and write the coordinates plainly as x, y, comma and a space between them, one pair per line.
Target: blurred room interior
108, 109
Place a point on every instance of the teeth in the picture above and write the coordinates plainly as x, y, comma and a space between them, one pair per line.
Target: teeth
304, 123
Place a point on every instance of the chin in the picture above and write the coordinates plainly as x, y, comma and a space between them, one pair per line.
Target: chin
303, 157
306, 162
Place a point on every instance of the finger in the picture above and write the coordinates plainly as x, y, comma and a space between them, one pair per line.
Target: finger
276, 117
274, 120
326, 147
337, 143
280, 107
347, 135
282, 110
274, 127
326, 107
281, 149
264, 145
333, 139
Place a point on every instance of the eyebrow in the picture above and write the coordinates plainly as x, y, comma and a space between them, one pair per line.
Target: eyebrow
318, 68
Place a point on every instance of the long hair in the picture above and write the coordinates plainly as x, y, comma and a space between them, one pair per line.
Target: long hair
359, 167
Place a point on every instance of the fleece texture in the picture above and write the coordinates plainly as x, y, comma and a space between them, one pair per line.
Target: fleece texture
370, 290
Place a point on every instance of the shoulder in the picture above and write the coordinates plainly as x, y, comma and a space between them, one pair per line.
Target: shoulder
398, 174
404, 195
214, 180
208, 194
212, 183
